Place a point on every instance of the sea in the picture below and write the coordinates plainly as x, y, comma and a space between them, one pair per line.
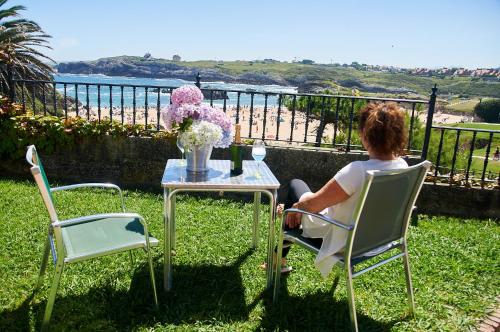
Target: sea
152, 97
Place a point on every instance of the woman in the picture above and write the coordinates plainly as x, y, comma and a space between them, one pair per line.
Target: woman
383, 134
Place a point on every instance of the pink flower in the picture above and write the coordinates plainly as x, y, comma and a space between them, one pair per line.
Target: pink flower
187, 94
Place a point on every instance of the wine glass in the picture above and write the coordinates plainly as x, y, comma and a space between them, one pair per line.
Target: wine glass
181, 148
258, 154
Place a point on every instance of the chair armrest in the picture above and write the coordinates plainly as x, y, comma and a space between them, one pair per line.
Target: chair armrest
92, 185
320, 216
79, 220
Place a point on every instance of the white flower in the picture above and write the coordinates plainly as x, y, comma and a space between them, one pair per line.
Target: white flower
201, 133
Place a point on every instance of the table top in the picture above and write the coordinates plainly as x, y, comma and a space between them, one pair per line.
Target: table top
218, 176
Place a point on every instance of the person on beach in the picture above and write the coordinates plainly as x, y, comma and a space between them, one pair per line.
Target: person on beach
383, 134
496, 155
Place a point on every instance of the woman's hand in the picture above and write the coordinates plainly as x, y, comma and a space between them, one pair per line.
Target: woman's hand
293, 219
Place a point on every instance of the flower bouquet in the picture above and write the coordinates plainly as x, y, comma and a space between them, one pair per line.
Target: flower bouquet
200, 127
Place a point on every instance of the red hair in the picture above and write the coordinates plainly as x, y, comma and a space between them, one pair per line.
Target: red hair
383, 128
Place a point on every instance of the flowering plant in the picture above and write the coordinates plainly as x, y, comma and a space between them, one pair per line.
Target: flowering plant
197, 124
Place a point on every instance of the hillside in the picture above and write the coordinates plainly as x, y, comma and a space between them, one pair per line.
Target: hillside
307, 77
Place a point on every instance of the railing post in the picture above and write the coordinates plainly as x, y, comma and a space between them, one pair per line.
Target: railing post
428, 125
198, 81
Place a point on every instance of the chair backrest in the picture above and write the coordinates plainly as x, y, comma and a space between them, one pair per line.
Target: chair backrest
41, 180
385, 207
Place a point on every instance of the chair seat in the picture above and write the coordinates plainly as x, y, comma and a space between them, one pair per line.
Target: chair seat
295, 235
103, 236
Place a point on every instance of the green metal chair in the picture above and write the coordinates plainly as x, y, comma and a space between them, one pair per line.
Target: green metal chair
379, 225
86, 237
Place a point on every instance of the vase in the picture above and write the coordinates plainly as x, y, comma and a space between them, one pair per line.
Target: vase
197, 158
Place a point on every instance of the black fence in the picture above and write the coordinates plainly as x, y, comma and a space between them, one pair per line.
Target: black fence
297, 118
465, 166
279, 117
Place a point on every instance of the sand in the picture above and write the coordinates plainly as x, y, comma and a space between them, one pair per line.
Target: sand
270, 131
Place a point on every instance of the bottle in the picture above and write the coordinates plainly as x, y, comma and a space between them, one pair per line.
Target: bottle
237, 153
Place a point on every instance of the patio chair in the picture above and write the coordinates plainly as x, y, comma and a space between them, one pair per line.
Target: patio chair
86, 237
379, 225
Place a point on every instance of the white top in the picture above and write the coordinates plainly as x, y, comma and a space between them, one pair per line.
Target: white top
351, 179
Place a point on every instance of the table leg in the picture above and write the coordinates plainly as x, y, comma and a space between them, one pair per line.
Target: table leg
167, 252
256, 214
173, 201
270, 237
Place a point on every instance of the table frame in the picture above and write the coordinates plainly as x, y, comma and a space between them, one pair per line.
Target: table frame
169, 202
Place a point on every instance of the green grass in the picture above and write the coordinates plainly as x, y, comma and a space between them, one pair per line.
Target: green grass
217, 283
463, 107
478, 163
489, 126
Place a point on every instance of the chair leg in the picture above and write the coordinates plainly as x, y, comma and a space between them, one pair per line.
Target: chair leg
409, 287
132, 260
53, 292
43, 267
350, 298
153, 283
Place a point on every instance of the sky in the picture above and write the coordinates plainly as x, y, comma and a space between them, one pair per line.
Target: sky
402, 33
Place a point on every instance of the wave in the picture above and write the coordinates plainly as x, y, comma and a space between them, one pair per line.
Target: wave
167, 82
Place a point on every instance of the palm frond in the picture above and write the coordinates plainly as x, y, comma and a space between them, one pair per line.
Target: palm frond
21, 41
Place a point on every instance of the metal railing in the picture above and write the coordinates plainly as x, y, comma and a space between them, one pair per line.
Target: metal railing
282, 117
279, 117
465, 142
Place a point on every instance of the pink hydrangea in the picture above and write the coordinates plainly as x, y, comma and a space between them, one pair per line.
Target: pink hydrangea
187, 94
186, 104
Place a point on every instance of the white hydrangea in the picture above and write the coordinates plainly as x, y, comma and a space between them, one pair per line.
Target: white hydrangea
201, 133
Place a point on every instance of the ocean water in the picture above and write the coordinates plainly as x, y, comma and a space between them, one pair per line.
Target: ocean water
152, 97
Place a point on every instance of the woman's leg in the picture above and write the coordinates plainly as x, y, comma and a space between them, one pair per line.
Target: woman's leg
296, 190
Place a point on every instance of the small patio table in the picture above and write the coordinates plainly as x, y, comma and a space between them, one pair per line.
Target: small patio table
259, 180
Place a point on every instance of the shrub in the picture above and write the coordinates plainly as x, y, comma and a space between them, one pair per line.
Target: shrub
488, 110
49, 132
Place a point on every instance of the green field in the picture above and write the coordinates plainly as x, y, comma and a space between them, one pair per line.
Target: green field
487, 126
463, 106
217, 283
477, 164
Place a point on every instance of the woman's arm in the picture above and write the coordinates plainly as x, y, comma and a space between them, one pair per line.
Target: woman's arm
330, 194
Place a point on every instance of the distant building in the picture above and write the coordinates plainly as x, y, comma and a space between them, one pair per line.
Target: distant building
270, 61
176, 58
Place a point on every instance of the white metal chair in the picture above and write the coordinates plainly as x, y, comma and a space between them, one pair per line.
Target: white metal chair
86, 237
379, 224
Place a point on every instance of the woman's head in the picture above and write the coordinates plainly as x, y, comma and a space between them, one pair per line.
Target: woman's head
382, 127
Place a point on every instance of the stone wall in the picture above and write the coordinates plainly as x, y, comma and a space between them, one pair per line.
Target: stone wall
139, 163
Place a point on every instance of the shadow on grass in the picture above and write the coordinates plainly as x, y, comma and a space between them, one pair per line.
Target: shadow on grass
201, 294
317, 311
17, 319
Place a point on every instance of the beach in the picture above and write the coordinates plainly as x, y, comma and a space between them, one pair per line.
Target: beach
277, 127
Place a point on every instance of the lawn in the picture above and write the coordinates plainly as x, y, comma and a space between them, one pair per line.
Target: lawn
217, 282
463, 106
479, 153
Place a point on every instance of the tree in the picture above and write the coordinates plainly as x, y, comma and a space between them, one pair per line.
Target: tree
324, 109
20, 44
488, 110
307, 62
